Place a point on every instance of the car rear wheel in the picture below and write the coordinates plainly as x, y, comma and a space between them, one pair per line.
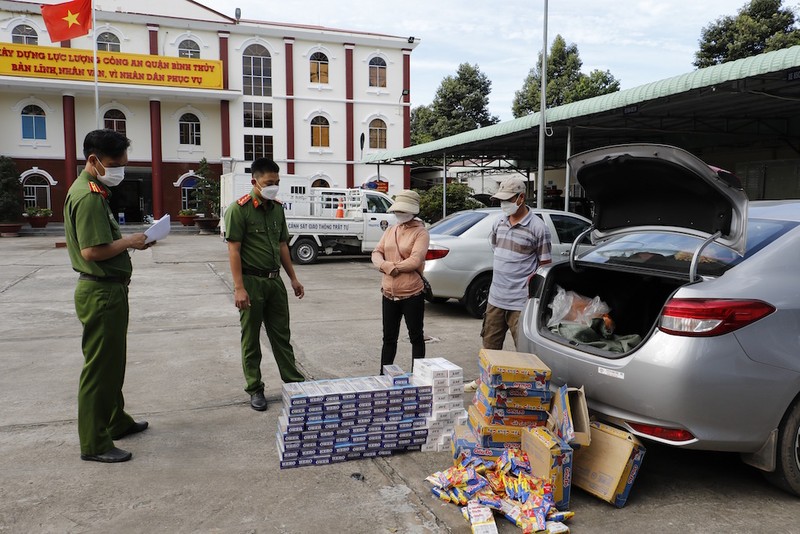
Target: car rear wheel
478, 295
787, 470
304, 251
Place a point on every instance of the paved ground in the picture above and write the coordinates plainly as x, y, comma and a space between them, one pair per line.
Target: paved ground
209, 463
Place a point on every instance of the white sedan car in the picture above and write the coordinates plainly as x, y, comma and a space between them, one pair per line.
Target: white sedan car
459, 260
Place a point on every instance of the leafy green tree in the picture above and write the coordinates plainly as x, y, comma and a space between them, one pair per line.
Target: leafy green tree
459, 197
460, 105
10, 191
760, 26
207, 188
565, 81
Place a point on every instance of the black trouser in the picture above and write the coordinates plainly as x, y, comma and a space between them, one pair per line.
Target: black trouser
413, 309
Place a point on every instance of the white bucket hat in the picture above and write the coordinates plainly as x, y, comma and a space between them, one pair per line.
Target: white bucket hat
406, 201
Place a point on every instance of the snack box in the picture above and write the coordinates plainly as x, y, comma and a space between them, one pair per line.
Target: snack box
514, 398
608, 467
489, 408
489, 435
570, 416
481, 518
510, 368
464, 441
526, 392
551, 459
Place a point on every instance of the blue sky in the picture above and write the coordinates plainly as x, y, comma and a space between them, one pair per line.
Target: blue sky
638, 41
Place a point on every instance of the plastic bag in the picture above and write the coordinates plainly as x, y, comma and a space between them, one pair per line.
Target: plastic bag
571, 307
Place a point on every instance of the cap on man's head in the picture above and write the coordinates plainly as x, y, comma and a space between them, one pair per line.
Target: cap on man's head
509, 188
406, 201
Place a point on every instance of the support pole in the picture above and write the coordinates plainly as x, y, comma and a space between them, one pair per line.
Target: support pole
542, 121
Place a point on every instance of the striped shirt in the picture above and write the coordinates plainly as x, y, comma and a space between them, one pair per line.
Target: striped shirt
518, 251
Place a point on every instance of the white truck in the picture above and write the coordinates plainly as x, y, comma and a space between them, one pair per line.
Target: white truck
321, 220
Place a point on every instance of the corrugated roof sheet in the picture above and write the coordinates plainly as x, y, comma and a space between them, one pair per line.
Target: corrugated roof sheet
734, 70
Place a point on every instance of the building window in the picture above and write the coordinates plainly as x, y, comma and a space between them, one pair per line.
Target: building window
114, 119
24, 34
189, 126
257, 146
188, 48
189, 194
320, 132
319, 67
34, 125
256, 71
377, 72
257, 115
36, 191
377, 134
108, 42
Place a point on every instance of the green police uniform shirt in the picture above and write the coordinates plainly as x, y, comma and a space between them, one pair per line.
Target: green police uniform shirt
260, 226
88, 222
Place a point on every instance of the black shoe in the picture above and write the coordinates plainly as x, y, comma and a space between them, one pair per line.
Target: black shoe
113, 456
135, 428
258, 402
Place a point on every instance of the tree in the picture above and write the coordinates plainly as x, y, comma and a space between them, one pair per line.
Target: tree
10, 191
460, 105
760, 26
207, 188
459, 197
565, 81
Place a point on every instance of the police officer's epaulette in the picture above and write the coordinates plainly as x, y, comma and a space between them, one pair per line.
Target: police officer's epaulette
244, 200
94, 188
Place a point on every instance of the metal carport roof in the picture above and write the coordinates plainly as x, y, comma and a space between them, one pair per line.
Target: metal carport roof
749, 102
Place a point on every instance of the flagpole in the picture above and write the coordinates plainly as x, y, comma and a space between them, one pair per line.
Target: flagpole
96, 85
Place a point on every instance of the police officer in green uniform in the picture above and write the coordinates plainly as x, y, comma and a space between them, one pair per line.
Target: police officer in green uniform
99, 253
257, 236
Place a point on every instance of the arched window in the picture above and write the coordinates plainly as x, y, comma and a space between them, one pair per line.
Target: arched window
108, 42
320, 182
24, 34
189, 48
189, 126
34, 123
377, 72
189, 194
114, 119
256, 71
319, 67
320, 132
377, 134
36, 191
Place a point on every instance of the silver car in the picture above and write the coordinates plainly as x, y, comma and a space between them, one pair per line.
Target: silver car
459, 260
704, 299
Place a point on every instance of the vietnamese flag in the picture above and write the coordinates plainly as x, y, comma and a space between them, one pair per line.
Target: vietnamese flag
68, 20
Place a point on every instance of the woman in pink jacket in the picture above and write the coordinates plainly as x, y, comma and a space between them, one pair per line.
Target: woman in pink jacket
400, 256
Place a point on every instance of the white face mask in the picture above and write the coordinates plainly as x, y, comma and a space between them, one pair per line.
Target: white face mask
269, 192
113, 175
508, 207
403, 218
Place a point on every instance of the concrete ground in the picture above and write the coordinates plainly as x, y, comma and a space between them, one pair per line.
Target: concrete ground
208, 463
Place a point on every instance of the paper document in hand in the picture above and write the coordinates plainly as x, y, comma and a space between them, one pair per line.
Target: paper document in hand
159, 230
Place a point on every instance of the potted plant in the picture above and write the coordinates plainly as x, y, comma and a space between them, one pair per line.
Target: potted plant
10, 198
187, 217
38, 217
208, 198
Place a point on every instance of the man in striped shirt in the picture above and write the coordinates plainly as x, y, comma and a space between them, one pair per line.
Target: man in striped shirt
521, 243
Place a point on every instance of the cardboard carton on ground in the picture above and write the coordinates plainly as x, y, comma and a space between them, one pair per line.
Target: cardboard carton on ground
489, 435
508, 416
609, 465
525, 399
570, 415
464, 441
551, 459
506, 367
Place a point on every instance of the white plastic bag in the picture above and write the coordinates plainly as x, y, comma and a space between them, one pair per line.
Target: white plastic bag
571, 307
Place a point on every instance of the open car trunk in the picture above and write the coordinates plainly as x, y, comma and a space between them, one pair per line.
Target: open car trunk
635, 302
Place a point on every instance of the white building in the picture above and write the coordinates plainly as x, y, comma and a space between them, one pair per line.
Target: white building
185, 82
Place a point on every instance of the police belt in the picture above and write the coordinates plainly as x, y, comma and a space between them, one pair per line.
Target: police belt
109, 279
262, 274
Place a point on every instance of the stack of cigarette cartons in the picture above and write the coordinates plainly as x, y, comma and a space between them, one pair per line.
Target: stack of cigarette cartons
447, 410
514, 394
329, 421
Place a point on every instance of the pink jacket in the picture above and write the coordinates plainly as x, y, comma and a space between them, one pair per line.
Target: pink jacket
400, 278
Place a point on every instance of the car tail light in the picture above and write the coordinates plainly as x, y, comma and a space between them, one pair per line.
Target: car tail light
436, 252
662, 432
710, 317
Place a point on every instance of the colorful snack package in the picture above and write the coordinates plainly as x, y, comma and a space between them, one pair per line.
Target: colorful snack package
442, 494
559, 516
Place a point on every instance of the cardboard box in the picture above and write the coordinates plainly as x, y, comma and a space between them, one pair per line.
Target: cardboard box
513, 368
524, 399
463, 440
489, 435
608, 467
571, 415
551, 459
